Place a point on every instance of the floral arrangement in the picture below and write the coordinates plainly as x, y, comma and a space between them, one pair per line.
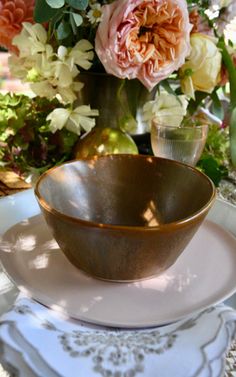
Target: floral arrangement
179, 50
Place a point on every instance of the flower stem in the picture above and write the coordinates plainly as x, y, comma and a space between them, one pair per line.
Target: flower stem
228, 62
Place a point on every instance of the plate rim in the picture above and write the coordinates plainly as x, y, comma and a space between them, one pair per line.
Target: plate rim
46, 301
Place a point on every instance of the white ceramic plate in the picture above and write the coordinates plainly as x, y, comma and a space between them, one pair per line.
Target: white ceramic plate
202, 276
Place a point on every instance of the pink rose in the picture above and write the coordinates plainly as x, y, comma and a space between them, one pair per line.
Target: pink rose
144, 39
12, 14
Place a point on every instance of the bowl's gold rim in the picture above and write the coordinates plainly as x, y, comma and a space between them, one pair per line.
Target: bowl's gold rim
162, 227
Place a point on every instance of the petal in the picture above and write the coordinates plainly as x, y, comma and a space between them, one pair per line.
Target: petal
81, 121
86, 111
83, 45
73, 124
58, 119
67, 94
43, 89
187, 87
62, 52
63, 74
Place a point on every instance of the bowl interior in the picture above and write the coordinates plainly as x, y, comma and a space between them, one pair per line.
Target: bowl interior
125, 190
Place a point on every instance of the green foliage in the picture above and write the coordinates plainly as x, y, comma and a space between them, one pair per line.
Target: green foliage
66, 20
55, 3
42, 11
233, 136
214, 161
217, 107
194, 104
199, 3
209, 165
26, 143
78, 4
63, 30
77, 18
232, 81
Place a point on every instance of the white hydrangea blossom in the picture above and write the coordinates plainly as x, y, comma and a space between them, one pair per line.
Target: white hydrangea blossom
52, 74
166, 108
74, 120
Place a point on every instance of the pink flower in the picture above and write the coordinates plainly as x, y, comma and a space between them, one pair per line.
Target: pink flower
12, 14
144, 39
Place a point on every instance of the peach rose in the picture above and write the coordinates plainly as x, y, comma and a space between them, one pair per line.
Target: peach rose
144, 39
12, 14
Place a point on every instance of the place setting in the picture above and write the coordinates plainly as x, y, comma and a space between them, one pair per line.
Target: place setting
117, 188
126, 254
98, 315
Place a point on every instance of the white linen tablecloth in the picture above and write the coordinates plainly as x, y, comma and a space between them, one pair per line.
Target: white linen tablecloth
37, 341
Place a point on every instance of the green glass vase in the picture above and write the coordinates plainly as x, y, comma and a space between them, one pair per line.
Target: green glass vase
120, 102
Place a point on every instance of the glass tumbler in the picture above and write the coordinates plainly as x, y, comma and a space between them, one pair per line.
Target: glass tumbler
184, 144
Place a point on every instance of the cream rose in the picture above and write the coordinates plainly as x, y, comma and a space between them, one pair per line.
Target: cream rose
201, 70
167, 109
141, 39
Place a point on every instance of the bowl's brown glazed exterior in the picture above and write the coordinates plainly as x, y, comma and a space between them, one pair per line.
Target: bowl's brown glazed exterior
124, 217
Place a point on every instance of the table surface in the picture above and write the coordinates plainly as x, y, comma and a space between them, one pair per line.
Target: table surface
10, 184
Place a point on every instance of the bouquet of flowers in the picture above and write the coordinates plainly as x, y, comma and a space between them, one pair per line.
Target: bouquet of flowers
180, 50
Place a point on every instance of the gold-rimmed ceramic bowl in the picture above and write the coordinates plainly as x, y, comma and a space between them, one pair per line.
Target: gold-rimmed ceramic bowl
124, 217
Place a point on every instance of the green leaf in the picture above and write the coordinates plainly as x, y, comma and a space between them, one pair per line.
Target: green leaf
78, 4
217, 107
42, 11
55, 3
56, 18
77, 18
73, 24
166, 85
210, 167
233, 137
63, 30
193, 104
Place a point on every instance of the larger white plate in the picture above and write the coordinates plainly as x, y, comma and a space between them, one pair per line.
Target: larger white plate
202, 276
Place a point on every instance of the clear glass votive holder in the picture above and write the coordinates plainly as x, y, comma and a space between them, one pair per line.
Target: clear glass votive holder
184, 144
